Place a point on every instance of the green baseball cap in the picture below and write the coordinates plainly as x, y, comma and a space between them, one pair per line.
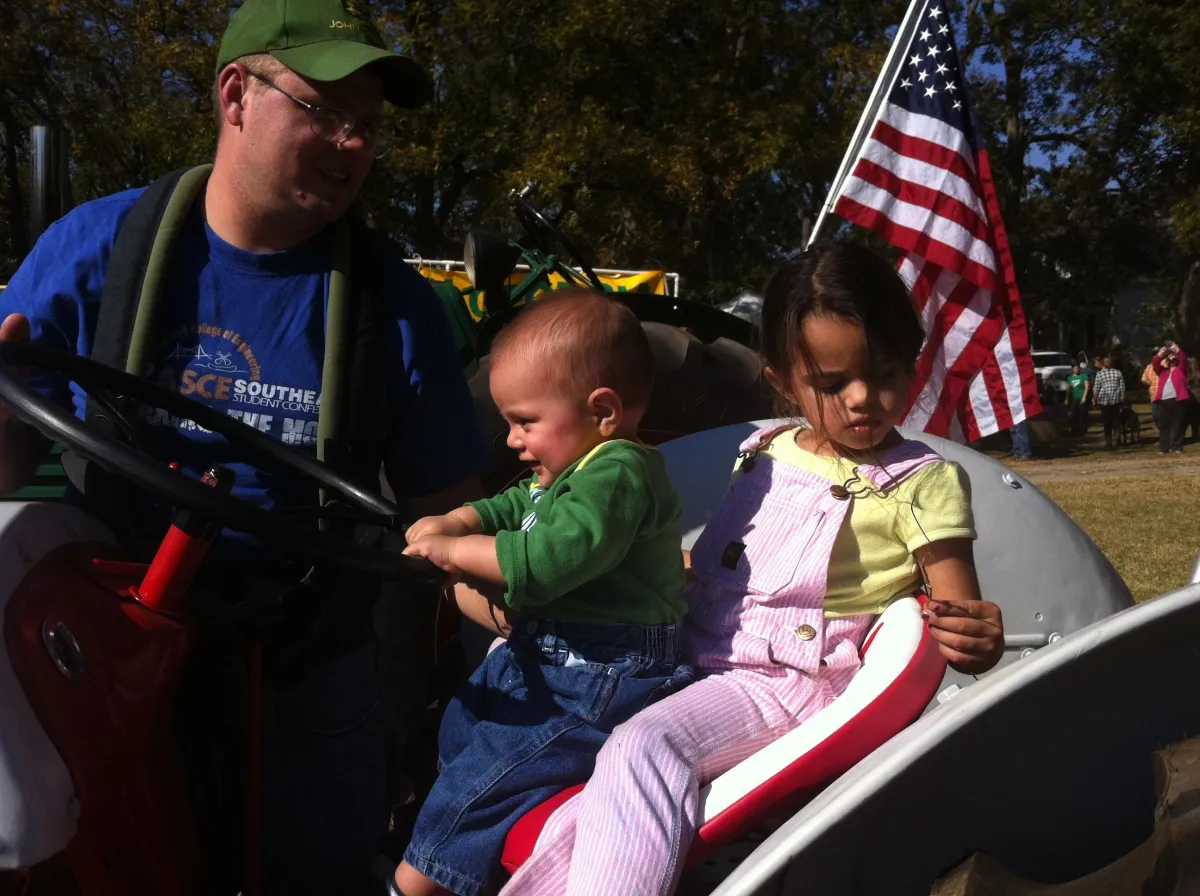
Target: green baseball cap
324, 40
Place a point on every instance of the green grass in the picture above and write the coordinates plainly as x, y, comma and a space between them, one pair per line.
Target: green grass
1145, 526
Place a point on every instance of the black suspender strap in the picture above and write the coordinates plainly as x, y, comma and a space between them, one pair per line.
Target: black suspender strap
352, 418
136, 270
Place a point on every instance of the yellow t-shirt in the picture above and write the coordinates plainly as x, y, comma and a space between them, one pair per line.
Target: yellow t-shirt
872, 560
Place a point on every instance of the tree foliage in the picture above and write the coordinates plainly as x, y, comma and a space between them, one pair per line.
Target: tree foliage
690, 136
1096, 143
128, 80
683, 135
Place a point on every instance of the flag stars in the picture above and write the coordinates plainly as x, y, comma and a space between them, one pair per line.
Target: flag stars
930, 90
942, 68
925, 35
933, 51
922, 74
957, 104
950, 86
935, 12
916, 60
906, 83
945, 29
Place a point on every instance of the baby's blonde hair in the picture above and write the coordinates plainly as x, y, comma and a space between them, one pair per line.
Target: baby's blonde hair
584, 341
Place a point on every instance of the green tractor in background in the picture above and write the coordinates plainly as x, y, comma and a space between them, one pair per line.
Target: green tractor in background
708, 375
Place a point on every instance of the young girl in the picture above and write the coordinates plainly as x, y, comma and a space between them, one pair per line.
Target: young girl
824, 525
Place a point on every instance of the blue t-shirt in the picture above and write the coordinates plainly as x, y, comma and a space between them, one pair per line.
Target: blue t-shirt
245, 333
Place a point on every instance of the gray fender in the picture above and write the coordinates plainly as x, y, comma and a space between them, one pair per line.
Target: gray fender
1046, 766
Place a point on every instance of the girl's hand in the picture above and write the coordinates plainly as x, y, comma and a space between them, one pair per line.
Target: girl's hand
968, 629
970, 633
438, 550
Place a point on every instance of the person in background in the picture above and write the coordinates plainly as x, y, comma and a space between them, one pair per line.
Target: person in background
1191, 413
1078, 389
1170, 363
1109, 397
1021, 447
1150, 379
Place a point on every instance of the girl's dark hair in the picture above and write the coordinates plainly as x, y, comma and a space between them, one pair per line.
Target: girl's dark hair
838, 280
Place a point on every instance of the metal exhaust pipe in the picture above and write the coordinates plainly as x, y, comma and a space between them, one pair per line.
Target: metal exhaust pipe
49, 184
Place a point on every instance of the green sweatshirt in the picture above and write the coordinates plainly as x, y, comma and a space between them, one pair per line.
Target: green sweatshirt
601, 544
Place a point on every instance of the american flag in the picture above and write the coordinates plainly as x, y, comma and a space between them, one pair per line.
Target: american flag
923, 182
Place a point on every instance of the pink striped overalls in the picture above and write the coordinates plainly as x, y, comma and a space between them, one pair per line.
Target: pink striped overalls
758, 632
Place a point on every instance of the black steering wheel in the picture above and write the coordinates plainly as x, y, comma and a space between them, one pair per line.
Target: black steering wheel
537, 225
272, 527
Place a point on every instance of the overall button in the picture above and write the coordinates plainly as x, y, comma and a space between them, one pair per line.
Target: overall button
806, 633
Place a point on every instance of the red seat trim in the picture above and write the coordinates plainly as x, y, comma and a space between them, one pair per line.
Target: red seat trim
897, 705
523, 837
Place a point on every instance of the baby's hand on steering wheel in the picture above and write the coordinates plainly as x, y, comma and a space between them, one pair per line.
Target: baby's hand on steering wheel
438, 550
456, 523
433, 525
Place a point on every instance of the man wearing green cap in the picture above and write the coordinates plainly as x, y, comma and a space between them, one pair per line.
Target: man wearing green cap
298, 98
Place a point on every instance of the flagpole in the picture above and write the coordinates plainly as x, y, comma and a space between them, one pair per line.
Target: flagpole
870, 111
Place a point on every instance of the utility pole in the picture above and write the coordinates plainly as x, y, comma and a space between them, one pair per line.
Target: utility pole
49, 184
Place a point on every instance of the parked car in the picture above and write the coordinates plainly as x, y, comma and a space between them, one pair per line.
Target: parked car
1053, 368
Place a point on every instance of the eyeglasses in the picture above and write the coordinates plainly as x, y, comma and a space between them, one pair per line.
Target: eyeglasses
333, 124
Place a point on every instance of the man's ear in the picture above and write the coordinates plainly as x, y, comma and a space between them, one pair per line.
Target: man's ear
232, 86
608, 411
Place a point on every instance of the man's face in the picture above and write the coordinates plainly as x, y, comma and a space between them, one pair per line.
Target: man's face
1075, 369
298, 170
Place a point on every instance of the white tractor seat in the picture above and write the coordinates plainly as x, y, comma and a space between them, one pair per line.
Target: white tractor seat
901, 670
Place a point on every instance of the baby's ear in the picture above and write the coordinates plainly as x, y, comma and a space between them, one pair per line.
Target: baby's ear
607, 409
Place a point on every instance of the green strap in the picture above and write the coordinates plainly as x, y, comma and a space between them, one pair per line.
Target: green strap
337, 323
145, 320
337, 335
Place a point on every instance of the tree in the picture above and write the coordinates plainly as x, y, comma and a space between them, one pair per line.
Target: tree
1080, 195
687, 136
129, 81
682, 135
694, 137
1148, 63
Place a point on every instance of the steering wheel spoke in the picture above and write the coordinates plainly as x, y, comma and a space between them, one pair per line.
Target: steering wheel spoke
295, 533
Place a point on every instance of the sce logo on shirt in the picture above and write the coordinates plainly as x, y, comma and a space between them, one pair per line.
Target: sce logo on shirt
202, 385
